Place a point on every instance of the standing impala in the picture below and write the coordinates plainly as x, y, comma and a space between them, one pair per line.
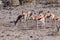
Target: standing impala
39, 17
49, 15
27, 14
57, 18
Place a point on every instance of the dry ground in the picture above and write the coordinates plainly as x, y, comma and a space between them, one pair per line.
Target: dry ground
8, 31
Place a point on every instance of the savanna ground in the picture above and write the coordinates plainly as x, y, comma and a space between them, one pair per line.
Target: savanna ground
8, 31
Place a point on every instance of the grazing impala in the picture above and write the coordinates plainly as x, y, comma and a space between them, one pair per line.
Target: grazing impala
24, 15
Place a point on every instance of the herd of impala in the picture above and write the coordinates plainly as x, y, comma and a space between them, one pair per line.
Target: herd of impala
40, 17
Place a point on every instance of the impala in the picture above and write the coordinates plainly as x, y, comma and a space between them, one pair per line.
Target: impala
24, 15
57, 18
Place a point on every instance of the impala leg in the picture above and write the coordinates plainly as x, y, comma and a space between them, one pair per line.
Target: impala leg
37, 24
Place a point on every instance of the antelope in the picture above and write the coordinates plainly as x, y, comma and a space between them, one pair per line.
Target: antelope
40, 17
37, 17
48, 15
57, 18
27, 14
24, 15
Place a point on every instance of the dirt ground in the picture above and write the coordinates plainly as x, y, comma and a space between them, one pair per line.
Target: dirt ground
24, 31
